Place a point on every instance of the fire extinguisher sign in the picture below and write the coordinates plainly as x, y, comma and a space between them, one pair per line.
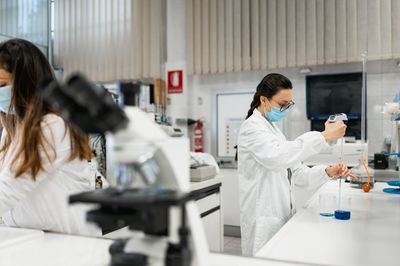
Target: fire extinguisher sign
175, 81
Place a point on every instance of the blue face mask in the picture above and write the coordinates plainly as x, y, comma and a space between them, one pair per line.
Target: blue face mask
5, 98
276, 115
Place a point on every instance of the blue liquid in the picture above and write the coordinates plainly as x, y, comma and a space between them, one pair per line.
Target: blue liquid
342, 215
326, 214
392, 190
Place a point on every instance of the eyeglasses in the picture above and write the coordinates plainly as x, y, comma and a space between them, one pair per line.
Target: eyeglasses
287, 106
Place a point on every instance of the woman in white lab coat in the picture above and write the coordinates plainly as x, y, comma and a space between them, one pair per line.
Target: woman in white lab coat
269, 165
42, 158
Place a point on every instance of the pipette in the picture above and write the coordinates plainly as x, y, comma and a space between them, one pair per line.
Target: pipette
340, 177
366, 187
335, 118
339, 213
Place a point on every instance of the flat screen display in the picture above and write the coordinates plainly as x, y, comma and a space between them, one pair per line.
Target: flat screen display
332, 94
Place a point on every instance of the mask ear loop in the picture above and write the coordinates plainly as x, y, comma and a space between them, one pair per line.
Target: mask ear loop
270, 105
265, 109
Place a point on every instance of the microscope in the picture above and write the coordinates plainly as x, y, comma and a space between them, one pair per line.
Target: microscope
161, 210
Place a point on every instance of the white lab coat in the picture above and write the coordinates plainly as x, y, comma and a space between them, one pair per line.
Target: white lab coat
266, 196
43, 204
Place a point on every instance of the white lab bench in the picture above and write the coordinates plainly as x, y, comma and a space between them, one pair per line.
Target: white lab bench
370, 237
208, 199
51, 249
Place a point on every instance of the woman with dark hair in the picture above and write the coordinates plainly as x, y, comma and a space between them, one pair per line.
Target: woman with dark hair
43, 159
269, 165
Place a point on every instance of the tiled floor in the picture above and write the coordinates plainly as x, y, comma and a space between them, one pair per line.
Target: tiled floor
232, 245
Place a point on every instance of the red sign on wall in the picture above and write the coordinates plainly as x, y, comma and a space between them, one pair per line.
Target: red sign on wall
175, 81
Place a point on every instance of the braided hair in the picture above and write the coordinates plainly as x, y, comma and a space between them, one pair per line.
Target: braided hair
270, 85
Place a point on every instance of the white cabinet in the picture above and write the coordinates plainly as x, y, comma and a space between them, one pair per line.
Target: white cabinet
208, 200
230, 197
213, 231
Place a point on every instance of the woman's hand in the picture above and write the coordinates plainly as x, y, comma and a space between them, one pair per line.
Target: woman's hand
338, 170
334, 130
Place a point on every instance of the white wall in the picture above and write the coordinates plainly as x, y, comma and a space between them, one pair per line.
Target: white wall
177, 104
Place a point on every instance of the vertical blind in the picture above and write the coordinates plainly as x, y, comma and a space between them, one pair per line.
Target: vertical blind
108, 40
25, 19
240, 35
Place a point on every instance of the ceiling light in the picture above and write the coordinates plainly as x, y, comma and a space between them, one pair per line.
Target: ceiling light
305, 70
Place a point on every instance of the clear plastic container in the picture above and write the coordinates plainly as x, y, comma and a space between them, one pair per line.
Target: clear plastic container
343, 211
345, 203
327, 205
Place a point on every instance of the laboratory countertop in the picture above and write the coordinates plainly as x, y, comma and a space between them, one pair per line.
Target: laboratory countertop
370, 237
207, 183
385, 174
49, 249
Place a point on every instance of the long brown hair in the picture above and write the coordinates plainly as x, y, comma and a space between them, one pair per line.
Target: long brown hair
29, 68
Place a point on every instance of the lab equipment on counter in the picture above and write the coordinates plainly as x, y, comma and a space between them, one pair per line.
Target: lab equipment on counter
327, 204
172, 131
351, 152
380, 161
341, 213
395, 145
367, 186
364, 173
392, 109
393, 183
202, 166
202, 172
344, 210
98, 183
161, 208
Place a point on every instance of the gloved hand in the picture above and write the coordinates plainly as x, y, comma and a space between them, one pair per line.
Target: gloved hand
334, 130
338, 170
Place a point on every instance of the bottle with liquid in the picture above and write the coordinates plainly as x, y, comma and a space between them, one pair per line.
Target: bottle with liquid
99, 183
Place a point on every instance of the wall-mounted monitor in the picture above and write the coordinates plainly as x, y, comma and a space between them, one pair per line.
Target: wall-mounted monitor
334, 93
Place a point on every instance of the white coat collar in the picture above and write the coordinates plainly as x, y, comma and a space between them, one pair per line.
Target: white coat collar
270, 125
261, 116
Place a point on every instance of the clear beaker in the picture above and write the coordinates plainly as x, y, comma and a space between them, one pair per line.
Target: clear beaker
327, 204
343, 211
344, 204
